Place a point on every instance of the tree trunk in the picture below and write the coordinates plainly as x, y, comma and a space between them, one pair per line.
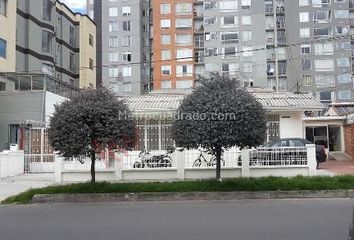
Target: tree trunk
218, 164
93, 171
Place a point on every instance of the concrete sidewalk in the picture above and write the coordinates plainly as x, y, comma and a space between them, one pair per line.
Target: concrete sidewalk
338, 167
21, 183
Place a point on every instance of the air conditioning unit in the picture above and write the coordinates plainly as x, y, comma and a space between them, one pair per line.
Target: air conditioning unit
13, 147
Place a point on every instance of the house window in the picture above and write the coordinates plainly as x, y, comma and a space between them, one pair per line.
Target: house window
3, 48
91, 40
47, 10
126, 25
46, 42
3, 7
91, 64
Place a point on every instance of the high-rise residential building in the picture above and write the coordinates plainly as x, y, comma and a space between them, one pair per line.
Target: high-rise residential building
123, 44
296, 45
51, 39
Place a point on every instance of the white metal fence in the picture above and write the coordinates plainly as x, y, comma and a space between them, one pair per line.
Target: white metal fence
281, 156
11, 164
130, 166
39, 163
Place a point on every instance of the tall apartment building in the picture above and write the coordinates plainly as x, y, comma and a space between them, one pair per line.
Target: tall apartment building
123, 44
296, 45
50, 38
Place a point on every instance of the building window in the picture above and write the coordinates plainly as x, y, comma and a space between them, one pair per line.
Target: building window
127, 57
47, 10
46, 42
166, 55
343, 62
184, 70
247, 36
166, 84
72, 35
113, 41
185, 54
305, 48
71, 62
306, 64
127, 87
344, 94
165, 39
245, 4
113, 56
184, 39
113, 71
126, 11
304, 32
341, 14
304, 16
126, 41
91, 64
127, 71
166, 70
324, 48
228, 6
184, 8
184, 23
184, 84
246, 20
324, 65
91, 40
344, 78
3, 48
165, 23
48, 69
165, 8
303, 3
229, 37
126, 25
306, 80
113, 11
113, 26
229, 20
3, 7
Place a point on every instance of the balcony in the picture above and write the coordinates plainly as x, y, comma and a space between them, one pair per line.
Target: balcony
35, 82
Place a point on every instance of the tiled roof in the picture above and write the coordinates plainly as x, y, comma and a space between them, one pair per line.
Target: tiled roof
271, 101
340, 109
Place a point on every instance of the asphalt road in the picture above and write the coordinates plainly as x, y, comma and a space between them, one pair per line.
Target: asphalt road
236, 220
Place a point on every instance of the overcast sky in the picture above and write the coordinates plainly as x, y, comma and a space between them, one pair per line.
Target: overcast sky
76, 5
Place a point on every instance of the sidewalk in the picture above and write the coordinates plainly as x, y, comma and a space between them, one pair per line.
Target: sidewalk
21, 183
338, 167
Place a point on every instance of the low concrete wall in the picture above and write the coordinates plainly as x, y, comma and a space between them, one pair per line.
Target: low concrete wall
12, 163
279, 171
204, 173
150, 174
85, 176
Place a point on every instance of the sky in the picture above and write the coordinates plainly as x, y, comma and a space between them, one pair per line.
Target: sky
76, 5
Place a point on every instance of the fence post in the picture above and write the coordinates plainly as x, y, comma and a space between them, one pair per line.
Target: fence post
179, 157
118, 165
245, 157
311, 158
58, 168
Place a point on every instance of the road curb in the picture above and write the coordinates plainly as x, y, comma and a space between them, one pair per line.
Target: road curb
187, 196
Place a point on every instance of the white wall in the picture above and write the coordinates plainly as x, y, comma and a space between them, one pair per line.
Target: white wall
11, 163
291, 125
51, 99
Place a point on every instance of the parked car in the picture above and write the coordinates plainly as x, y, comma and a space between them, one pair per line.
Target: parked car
321, 155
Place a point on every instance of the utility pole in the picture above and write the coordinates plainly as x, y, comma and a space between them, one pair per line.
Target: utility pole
276, 44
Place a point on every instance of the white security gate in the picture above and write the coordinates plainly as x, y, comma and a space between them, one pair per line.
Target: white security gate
39, 157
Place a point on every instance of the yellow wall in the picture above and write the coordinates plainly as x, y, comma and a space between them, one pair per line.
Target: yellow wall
8, 33
87, 76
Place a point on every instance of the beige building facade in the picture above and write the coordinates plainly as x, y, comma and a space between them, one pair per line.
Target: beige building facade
8, 35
